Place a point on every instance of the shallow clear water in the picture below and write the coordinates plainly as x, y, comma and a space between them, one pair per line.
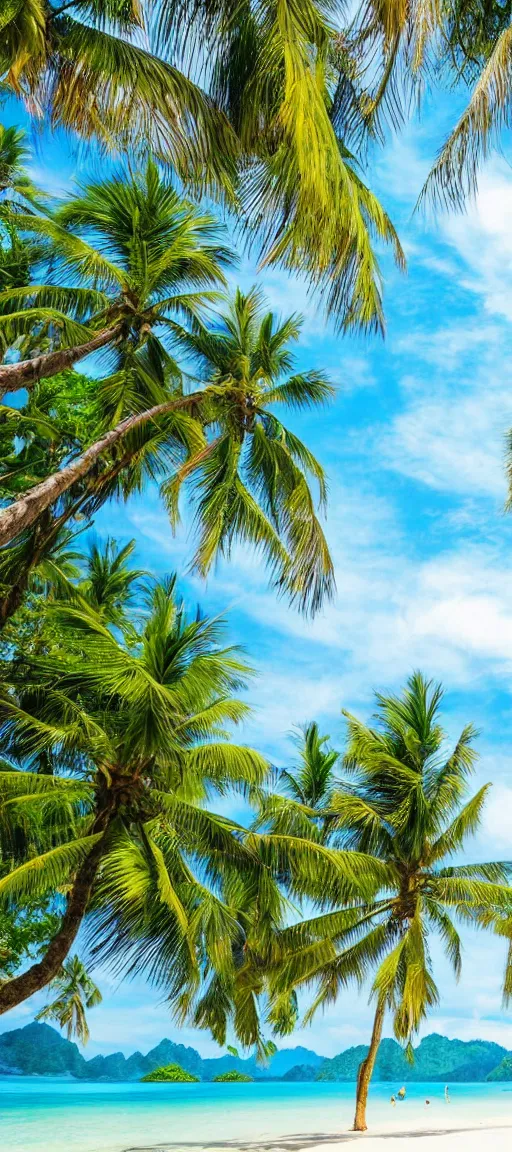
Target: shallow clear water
53, 1115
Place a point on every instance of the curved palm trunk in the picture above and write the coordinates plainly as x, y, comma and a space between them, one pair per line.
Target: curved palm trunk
23, 512
27, 372
15, 991
366, 1071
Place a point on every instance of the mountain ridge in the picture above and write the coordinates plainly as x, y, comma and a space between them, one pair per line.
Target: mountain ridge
39, 1050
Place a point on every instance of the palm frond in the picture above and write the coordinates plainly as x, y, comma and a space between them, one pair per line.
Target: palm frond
46, 872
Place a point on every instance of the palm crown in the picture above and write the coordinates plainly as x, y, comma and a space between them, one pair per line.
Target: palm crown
252, 480
405, 804
126, 255
16, 187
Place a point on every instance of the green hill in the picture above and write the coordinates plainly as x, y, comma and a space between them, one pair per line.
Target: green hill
172, 1074
390, 1064
39, 1050
503, 1071
435, 1059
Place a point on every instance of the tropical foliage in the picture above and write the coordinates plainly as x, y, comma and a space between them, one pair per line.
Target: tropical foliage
75, 993
240, 99
399, 51
121, 737
78, 441
252, 480
125, 255
25, 931
233, 1077
172, 1074
405, 801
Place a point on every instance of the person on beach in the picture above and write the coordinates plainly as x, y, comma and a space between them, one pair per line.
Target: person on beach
401, 1093
393, 1102
447, 1094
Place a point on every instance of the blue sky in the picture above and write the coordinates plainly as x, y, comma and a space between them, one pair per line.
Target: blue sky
414, 447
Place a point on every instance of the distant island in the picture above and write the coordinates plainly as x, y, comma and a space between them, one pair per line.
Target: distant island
39, 1050
170, 1074
233, 1077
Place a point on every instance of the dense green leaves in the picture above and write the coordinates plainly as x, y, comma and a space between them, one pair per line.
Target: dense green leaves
241, 99
252, 482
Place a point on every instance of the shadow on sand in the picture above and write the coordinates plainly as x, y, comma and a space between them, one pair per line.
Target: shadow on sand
297, 1143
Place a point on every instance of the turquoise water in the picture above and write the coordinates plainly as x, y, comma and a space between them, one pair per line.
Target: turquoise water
47, 1115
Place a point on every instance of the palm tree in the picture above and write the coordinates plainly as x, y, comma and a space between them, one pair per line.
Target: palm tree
304, 792
252, 478
140, 731
151, 264
75, 993
406, 804
127, 256
247, 475
263, 131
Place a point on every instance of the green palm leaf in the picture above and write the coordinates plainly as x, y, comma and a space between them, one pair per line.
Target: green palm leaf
46, 872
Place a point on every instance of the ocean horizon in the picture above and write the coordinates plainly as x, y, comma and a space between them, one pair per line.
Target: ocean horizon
42, 1114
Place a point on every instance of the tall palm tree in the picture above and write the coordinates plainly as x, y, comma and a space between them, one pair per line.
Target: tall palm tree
170, 888
264, 129
75, 993
406, 804
252, 479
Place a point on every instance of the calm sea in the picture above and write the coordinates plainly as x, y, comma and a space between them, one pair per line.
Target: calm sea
50, 1115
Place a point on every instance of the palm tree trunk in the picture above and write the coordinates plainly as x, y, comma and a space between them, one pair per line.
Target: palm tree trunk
23, 512
366, 1071
15, 991
26, 372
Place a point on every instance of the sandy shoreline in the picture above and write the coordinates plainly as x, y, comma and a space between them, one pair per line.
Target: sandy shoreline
471, 1137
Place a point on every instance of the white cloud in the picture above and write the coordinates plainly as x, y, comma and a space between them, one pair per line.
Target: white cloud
482, 238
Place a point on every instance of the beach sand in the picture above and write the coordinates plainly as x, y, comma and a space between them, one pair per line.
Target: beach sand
386, 1138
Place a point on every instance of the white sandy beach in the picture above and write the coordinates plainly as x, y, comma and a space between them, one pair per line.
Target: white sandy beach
485, 1138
